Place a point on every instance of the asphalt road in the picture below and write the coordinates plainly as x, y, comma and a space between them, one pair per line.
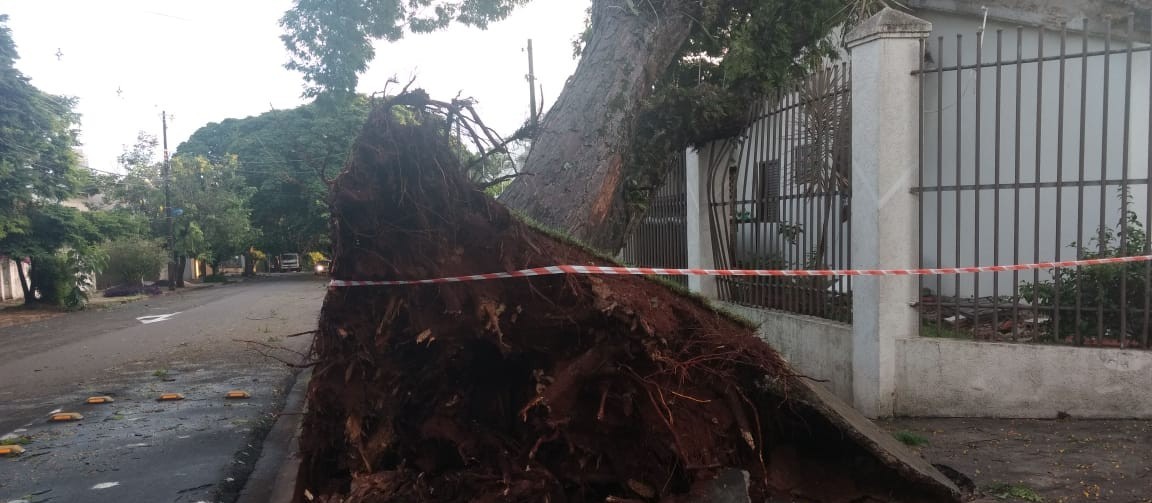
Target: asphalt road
137, 448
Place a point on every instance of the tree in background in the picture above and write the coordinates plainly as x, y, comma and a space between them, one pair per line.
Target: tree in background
38, 169
214, 224
654, 77
210, 201
289, 158
130, 261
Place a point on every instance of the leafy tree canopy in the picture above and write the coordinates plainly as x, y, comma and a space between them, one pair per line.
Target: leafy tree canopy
331, 41
288, 158
37, 141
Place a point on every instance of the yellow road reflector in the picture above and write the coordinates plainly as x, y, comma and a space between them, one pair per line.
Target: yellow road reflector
168, 397
238, 394
66, 416
11, 450
98, 400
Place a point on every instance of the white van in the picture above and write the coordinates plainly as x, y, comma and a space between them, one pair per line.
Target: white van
290, 262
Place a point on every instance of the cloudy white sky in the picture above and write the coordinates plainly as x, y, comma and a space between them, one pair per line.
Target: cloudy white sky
207, 60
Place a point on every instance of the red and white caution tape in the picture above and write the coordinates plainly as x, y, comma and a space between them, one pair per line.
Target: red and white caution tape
654, 271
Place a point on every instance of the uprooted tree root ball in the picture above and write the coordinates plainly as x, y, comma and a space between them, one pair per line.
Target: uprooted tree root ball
558, 388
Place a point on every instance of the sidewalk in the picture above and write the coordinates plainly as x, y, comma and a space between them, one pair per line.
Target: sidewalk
1054, 461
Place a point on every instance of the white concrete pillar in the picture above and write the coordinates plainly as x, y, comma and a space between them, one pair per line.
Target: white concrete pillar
699, 222
885, 50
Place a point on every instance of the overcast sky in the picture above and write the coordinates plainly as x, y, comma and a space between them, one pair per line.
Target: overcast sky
207, 60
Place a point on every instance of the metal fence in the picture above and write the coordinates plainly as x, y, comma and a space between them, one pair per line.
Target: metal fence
1035, 147
779, 198
660, 238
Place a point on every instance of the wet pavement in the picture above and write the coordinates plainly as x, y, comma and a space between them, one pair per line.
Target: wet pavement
138, 449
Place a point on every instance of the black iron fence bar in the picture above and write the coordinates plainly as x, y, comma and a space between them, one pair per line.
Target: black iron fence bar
1148, 216
1080, 188
1103, 246
1016, 189
1030, 185
1059, 244
939, 175
920, 181
1039, 153
1124, 176
798, 102
976, 227
996, 194
1024, 61
959, 158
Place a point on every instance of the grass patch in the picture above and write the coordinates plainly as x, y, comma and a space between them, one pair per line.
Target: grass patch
16, 440
910, 439
162, 373
216, 278
1004, 491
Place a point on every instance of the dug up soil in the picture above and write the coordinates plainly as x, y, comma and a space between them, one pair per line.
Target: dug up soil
554, 389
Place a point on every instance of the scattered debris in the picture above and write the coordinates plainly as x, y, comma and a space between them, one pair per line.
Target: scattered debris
11, 450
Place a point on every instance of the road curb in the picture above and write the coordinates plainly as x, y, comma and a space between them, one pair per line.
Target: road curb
273, 479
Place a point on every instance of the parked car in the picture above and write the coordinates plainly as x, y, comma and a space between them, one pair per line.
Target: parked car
290, 262
322, 267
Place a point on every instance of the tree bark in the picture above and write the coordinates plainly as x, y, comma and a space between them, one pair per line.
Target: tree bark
24, 286
577, 160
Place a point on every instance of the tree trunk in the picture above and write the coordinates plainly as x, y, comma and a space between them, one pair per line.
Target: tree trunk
24, 285
181, 263
577, 161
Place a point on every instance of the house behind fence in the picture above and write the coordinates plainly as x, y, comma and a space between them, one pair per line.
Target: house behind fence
951, 136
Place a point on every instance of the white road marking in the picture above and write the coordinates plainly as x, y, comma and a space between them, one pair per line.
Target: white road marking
156, 318
105, 485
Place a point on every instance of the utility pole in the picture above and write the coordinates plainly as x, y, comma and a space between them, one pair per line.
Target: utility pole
172, 272
531, 85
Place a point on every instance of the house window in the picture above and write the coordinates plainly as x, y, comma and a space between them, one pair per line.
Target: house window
766, 184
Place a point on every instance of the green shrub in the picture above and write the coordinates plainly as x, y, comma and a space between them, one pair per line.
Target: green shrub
1099, 286
52, 279
132, 260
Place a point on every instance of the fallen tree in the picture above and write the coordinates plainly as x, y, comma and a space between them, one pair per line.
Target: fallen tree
557, 388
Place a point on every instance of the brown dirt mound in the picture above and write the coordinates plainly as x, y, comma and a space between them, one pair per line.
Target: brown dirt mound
559, 389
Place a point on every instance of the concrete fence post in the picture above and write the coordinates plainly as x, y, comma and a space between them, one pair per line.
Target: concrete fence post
699, 221
885, 50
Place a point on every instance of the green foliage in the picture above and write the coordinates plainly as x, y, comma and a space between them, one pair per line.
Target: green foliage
64, 278
115, 224
37, 139
331, 42
1099, 285
1004, 491
210, 201
288, 158
910, 439
311, 258
132, 260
